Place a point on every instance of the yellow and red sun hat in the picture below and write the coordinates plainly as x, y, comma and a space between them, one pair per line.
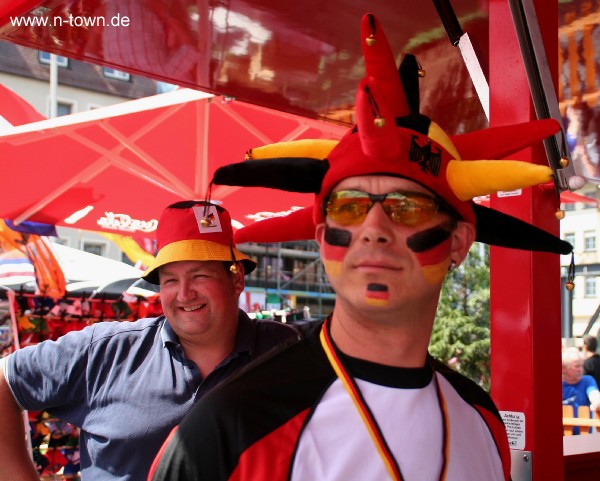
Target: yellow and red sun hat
195, 231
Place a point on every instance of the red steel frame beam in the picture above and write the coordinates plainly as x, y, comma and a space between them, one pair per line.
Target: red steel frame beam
525, 286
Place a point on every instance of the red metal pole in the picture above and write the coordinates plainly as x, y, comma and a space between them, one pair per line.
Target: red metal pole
525, 286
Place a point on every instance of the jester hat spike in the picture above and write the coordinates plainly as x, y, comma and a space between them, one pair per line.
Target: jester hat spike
392, 137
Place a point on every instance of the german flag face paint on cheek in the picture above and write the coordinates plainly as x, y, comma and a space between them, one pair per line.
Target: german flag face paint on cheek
377, 294
432, 247
334, 249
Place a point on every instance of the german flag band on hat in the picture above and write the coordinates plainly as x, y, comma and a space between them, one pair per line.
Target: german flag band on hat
392, 137
195, 231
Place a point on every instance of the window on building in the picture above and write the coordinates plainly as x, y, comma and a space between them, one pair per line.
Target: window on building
125, 259
590, 286
115, 74
589, 241
94, 247
164, 87
63, 108
570, 238
594, 195
60, 240
44, 57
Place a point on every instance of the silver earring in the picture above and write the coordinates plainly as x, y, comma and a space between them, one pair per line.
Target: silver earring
452, 265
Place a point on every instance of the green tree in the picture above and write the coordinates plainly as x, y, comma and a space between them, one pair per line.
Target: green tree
461, 334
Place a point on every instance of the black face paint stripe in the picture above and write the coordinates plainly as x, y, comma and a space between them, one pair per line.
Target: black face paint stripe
337, 237
377, 287
428, 239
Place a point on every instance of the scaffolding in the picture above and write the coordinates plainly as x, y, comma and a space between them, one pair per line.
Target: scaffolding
290, 274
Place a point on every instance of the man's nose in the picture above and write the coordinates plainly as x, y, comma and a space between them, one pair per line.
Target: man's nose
184, 291
377, 226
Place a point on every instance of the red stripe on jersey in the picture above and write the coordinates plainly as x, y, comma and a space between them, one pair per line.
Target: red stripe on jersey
160, 453
499, 434
256, 462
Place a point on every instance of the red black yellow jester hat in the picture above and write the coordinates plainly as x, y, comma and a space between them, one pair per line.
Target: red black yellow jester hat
392, 137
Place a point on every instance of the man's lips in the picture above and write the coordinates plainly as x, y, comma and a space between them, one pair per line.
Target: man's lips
192, 308
371, 264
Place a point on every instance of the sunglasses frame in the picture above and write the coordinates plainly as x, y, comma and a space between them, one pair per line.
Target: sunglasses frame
374, 198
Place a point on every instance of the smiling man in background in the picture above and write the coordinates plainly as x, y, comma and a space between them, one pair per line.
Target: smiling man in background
127, 384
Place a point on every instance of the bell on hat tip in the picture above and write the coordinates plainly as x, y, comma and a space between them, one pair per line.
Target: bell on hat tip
370, 40
559, 214
204, 222
379, 122
570, 285
421, 72
563, 162
233, 268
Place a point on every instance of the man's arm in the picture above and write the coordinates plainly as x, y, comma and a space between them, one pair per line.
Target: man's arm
594, 397
15, 461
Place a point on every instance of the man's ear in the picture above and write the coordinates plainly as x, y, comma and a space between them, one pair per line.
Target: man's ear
239, 277
463, 237
320, 233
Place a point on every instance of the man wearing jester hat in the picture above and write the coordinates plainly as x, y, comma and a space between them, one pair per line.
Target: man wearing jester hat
360, 398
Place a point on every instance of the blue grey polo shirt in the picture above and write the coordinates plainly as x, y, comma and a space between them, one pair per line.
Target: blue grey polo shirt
126, 385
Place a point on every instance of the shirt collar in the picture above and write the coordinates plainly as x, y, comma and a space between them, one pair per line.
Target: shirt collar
167, 333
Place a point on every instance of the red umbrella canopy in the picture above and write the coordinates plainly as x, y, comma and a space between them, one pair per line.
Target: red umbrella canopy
115, 168
15, 110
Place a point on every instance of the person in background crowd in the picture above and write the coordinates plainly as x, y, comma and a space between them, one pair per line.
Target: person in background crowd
127, 384
360, 398
591, 363
578, 389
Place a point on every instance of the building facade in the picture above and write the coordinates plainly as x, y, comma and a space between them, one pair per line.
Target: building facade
580, 227
578, 95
